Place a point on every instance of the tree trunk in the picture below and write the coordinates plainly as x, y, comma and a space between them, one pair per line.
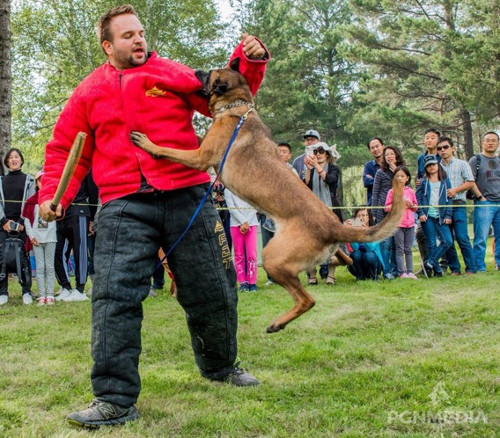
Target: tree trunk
468, 142
5, 80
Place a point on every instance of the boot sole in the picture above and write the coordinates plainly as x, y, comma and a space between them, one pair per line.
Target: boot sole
99, 423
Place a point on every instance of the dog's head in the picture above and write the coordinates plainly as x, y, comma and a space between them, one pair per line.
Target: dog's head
224, 84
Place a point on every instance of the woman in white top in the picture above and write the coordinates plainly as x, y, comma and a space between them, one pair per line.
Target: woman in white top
43, 237
243, 226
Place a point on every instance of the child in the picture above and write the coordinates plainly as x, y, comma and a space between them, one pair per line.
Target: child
43, 236
405, 235
243, 227
435, 220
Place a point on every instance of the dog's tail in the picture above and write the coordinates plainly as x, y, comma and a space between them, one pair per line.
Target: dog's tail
384, 229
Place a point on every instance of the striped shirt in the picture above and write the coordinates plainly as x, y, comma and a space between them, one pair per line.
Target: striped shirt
458, 172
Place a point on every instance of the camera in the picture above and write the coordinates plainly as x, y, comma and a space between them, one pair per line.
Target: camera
14, 226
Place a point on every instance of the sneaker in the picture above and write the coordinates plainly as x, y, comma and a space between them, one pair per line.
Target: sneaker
455, 273
411, 275
50, 301
427, 268
389, 276
27, 299
3, 299
244, 287
438, 273
102, 414
403, 275
64, 295
152, 292
41, 301
238, 377
253, 288
76, 295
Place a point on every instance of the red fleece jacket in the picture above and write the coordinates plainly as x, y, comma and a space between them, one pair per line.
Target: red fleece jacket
158, 99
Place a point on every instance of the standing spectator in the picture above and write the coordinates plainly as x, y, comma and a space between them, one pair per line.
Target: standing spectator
15, 188
43, 237
72, 232
367, 260
434, 213
147, 204
392, 159
431, 137
487, 191
244, 235
322, 177
376, 148
311, 137
405, 235
461, 179
267, 223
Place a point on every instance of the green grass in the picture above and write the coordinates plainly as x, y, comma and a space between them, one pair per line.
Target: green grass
365, 362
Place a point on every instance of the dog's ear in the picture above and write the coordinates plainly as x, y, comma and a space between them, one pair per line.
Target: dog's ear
235, 64
203, 77
219, 87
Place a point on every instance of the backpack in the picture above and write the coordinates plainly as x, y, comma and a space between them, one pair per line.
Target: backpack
14, 260
470, 194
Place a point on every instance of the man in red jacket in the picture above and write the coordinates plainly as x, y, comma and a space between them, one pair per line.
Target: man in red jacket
147, 204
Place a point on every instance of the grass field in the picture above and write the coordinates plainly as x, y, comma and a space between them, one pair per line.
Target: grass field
395, 358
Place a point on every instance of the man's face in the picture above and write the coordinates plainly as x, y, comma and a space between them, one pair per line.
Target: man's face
445, 149
430, 140
376, 148
128, 47
285, 153
490, 143
310, 140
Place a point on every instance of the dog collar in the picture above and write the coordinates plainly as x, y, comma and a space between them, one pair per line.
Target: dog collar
236, 103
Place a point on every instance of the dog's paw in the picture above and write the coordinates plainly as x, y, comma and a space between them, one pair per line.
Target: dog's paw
274, 328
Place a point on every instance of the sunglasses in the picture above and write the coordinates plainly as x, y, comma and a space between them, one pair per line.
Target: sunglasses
445, 147
319, 151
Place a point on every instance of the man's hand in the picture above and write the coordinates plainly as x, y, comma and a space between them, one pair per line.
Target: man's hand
252, 47
423, 218
451, 193
34, 241
6, 226
447, 221
47, 214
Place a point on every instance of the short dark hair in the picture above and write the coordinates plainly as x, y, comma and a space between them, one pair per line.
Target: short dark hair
103, 25
491, 132
435, 131
406, 171
286, 144
448, 139
374, 138
9, 153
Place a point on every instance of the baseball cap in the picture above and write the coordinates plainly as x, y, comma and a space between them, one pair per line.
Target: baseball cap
430, 159
312, 133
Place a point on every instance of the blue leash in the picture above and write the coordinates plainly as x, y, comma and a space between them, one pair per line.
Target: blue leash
209, 190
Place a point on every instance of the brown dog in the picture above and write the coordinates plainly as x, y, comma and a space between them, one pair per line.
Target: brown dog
307, 231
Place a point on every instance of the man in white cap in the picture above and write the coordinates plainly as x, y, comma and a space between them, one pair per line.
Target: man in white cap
311, 137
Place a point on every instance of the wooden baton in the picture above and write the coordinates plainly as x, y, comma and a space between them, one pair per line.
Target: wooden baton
69, 168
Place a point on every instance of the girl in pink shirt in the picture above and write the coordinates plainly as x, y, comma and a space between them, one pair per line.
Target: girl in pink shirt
405, 235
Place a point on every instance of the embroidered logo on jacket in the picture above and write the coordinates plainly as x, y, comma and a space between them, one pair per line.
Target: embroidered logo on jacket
155, 92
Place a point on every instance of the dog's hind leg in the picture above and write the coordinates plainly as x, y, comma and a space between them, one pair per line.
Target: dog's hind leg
284, 273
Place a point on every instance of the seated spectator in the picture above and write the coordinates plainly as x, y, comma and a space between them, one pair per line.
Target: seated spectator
367, 261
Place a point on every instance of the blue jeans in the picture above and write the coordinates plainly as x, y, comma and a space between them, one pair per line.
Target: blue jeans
388, 250
484, 217
131, 230
460, 234
365, 265
433, 229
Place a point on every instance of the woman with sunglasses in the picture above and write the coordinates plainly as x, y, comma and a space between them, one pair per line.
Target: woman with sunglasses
322, 177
